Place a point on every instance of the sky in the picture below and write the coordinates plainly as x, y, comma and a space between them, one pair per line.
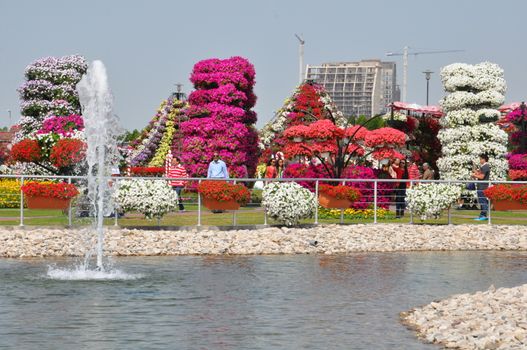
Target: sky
148, 46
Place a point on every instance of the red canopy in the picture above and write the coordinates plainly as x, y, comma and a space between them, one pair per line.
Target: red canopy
413, 107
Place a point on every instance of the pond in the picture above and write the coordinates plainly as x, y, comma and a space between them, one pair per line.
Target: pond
258, 302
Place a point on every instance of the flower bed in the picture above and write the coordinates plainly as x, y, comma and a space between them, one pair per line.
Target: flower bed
223, 191
340, 192
47, 189
507, 192
146, 171
352, 213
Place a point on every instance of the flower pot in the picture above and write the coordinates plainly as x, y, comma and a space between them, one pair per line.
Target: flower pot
509, 205
47, 203
214, 204
328, 201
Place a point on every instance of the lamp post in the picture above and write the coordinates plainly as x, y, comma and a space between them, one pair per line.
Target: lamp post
427, 73
523, 139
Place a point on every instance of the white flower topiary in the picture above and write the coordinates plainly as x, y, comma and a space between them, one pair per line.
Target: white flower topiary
153, 198
288, 202
429, 200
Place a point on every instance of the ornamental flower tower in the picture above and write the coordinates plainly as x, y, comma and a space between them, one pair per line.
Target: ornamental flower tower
220, 117
474, 94
51, 139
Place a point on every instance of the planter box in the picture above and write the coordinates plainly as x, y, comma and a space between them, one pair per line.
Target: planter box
509, 205
214, 204
327, 201
47, 203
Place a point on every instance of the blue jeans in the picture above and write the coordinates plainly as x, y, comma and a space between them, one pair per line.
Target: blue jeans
178, 190
483, 203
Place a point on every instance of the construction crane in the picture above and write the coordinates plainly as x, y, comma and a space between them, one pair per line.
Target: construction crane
405, 54
301, 58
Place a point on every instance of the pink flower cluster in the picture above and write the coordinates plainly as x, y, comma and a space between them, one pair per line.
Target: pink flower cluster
62, 125
220, 119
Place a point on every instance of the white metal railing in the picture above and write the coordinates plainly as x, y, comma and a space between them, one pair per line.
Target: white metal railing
374, 192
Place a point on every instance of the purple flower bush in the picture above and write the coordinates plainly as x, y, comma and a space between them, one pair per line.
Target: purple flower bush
220, 119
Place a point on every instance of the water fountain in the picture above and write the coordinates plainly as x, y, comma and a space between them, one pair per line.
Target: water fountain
101, 128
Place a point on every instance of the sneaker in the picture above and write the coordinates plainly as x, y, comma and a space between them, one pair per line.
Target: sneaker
182, 211
481, 218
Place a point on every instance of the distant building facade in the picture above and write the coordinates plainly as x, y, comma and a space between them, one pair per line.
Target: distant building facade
358, 88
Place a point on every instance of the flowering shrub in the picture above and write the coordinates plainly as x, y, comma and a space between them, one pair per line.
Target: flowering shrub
147, 171
352, 213
62, 125
223, 191
518, 175
340, 192
26, 151
67, 152
10, 189
47, 189
299, 171
152, 198
429, 200
385, 136
503, 192
288, 202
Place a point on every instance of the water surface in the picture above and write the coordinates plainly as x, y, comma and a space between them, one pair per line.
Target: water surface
250, 302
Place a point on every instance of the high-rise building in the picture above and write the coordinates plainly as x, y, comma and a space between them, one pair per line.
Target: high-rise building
358, 88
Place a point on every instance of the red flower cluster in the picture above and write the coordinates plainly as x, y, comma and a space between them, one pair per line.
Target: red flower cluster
223, 191
503, 192
67, 152
26, 151
384, 137
307, 100
147, 171
340, 192
60, 190
517, 174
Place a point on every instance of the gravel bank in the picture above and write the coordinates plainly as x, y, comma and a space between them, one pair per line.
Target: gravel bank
495, 319
330, 239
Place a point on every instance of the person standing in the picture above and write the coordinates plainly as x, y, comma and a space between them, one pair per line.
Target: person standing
483, 174
400, 191
271, 171
428, 173
280, 168
217, 168
176, 170
413, 172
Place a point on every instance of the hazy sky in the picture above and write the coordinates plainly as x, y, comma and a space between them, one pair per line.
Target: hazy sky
148, 46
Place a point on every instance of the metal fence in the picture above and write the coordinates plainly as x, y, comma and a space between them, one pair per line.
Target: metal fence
378, 197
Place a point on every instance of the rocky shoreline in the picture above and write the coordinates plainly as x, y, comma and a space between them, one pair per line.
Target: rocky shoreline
324, 239
494, 319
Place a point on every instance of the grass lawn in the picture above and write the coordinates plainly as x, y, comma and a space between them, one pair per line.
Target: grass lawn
244, 216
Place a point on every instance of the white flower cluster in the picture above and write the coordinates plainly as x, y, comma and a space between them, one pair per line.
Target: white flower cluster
429, 200
153, 198
396, 116
475, 90
288, 202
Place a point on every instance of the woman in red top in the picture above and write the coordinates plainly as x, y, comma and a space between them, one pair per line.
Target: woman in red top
175, 170
270, 171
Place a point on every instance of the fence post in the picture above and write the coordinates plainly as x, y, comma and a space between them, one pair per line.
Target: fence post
449, 211
199, 205
69, 206
316, 199
489, 221
411, 211
234, 211
375, 201
21, 202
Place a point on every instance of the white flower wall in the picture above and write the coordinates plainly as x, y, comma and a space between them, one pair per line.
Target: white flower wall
474, 94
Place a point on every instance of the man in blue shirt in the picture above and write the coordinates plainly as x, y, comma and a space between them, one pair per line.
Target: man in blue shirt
217, 168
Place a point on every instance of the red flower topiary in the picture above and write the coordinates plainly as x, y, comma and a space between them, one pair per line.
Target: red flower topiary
26, 151
67, 152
